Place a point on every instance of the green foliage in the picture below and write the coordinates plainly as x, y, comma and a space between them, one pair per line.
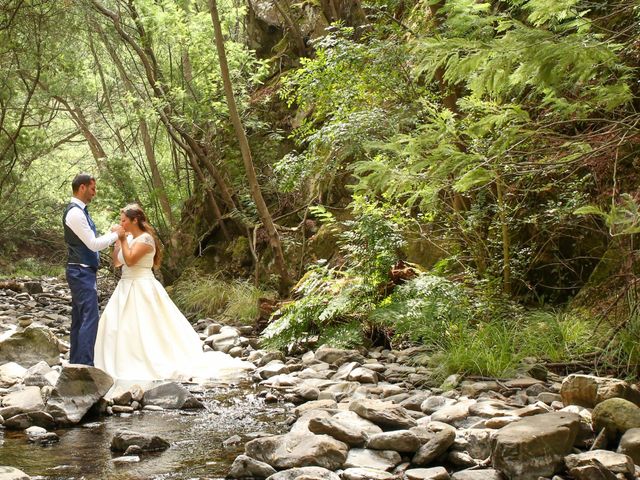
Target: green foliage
33, 268
210, 296
372, 240
333, 302
623, 218
427, 309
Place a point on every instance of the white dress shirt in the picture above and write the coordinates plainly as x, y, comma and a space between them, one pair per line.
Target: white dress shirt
76, 220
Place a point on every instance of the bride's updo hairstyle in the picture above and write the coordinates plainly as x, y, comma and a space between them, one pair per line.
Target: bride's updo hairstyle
134, 212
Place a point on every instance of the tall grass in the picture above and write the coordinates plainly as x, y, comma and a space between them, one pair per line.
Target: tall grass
235, 302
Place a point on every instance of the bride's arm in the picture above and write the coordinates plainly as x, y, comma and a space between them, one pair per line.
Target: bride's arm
114, 254
130, 254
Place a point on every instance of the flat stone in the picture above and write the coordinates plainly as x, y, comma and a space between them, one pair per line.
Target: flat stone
435, 473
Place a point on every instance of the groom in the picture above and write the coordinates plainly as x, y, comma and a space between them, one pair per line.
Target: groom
83, 246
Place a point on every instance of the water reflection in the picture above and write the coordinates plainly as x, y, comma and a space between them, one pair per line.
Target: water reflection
196, 441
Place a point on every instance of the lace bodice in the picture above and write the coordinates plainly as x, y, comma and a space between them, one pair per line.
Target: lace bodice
147, 259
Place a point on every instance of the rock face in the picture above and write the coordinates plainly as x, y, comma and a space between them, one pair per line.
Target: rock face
77, 390
298, 450
30, 346
588, 390
534, 446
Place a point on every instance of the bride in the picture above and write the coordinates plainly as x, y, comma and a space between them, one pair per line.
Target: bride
142, 335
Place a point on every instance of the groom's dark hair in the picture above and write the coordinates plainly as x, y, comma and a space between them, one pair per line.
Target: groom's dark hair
81, 179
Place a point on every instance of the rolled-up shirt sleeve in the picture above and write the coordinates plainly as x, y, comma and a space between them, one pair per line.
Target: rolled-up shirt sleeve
77, 222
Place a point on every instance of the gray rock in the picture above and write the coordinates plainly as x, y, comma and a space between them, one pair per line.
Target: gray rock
23, 421
315, 405
384, 414
78, 388
630, 444
268, 357
28, 399
375, 459
344, 371
491, 409
534, 446
582, 465
366, 474
437, 438
434, 403
169, 395
305, 472
404, 441
123, 439
273, 368
454, 414
413, 402
11, 473
488, 474
30, 346
244, 466
461, 460
338, 356
338, 430
435, 473
41, 375
363, 375
298, 450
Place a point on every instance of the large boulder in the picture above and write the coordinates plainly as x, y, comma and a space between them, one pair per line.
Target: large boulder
30, 346
534, 446
298, 450
78, 388
588, 390
617, 415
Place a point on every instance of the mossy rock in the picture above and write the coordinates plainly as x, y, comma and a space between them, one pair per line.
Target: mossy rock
323, 244
240, 251
617, 415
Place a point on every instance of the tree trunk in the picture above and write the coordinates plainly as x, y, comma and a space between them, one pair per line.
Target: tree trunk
506, 240
256, 193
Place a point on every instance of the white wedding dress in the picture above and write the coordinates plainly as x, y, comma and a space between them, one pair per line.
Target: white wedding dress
143, 336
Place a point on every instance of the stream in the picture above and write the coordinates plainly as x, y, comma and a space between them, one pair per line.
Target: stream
196, 437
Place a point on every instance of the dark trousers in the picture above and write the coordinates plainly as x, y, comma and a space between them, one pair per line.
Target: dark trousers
84, 313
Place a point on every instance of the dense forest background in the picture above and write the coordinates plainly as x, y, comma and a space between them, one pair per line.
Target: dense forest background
458, 174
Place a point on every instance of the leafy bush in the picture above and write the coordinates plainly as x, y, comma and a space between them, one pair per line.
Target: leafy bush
428, 309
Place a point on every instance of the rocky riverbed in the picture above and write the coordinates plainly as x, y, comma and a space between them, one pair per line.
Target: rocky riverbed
337, 414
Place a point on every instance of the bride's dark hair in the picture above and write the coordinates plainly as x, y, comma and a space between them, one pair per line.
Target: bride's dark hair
134, 211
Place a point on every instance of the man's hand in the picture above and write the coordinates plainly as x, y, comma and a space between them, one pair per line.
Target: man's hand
119, 230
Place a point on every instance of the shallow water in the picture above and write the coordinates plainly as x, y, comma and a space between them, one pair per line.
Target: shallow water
196, 441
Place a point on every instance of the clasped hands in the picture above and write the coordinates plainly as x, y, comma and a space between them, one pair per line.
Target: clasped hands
120, 231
